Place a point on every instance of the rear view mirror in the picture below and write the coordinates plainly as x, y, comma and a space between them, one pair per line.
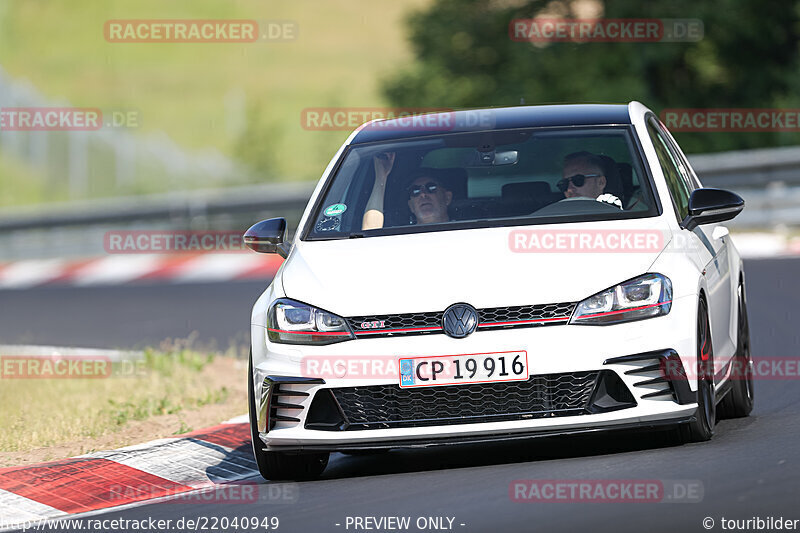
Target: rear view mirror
492, 158
712, 205
268, 236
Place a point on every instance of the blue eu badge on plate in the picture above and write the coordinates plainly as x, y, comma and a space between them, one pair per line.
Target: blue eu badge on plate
406, 372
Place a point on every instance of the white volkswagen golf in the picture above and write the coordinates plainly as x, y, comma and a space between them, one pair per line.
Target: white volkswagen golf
498, 274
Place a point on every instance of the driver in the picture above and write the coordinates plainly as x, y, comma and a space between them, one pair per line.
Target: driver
584, 176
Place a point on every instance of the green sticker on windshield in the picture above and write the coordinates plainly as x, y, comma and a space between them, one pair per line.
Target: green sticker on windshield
335, 210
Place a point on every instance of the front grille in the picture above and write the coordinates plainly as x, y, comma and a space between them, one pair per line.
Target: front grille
524, 315
389, 406
395, 324
488, 318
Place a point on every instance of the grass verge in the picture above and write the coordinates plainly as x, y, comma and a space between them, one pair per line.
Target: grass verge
239, 98
167, 391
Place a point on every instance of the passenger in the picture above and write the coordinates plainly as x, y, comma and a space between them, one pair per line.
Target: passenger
373, 212
427, 197
428, 200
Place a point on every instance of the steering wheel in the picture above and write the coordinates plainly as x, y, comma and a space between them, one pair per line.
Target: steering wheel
577, 206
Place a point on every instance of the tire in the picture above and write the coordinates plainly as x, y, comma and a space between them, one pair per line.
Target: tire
279, 466
739, 401
702, 427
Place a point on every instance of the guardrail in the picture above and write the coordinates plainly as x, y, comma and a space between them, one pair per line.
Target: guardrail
177, 208
775, 206
749, 169
78, 230
768, 180
89, 161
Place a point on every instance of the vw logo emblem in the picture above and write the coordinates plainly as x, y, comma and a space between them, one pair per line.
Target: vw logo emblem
459, 320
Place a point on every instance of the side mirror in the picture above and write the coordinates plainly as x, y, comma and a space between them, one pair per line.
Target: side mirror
268, 237
712, 205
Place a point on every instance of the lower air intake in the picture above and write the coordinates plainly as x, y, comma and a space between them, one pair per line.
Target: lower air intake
389, 406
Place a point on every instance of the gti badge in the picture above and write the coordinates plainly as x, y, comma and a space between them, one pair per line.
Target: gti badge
459, 320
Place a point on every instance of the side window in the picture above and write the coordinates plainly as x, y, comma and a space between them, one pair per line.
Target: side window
678, 188
683, 165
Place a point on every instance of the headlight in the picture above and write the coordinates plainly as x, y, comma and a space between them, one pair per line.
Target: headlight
291, 322
643, 297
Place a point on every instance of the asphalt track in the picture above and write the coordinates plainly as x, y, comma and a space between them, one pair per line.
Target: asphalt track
750, 469
129, 316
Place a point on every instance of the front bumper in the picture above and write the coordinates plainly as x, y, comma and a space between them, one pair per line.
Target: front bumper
552, 350
292, 417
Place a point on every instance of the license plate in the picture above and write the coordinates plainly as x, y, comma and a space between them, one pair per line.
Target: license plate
461, 369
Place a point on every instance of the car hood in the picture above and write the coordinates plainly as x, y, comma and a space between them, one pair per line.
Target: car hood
431, 271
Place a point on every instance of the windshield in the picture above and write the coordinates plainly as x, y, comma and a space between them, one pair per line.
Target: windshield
504, 177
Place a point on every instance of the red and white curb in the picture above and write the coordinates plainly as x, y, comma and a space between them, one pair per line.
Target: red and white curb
124, 477
121, 269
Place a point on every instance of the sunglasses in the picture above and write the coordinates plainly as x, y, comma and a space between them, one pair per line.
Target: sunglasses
577, 179
416, 190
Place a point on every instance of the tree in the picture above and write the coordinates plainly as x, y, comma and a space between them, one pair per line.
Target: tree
747, 58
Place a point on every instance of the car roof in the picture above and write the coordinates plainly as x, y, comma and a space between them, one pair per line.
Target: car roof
493, 119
